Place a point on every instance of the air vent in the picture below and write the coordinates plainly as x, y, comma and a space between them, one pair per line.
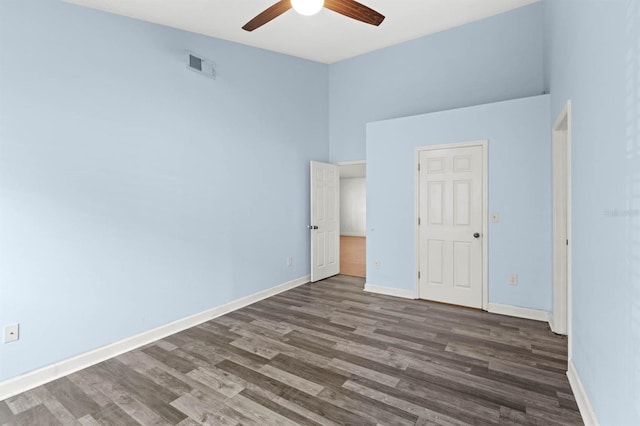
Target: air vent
197, 63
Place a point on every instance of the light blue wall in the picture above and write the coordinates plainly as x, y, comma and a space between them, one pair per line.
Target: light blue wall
519, 189
593, 59
134, 192
491, 60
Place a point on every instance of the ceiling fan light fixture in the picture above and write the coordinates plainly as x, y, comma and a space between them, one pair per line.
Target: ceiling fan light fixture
307, 7
349, 8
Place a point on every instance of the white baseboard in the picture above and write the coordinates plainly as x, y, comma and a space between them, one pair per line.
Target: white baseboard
586, 410
68, 366
390, 291
517, 311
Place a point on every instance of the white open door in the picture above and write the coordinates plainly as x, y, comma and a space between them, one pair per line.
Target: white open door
325, 220
561, 161
451, 206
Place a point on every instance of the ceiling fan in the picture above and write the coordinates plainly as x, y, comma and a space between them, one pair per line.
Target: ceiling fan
349, 8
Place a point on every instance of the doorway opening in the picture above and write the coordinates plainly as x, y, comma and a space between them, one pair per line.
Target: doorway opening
338, 219
561, 169
353, 218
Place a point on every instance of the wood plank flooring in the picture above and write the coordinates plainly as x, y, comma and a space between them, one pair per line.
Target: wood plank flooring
353, 256
323, 354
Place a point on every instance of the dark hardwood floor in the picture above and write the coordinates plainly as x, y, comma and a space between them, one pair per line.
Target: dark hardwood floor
323, 354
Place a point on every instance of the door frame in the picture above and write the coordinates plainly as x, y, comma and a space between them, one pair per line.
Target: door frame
338, 203
484, 144
561, 169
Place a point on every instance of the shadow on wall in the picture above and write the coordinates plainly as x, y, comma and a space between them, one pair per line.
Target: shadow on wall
633, 188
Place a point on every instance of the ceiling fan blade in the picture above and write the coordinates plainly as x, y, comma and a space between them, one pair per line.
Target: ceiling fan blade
267, 15
355, 10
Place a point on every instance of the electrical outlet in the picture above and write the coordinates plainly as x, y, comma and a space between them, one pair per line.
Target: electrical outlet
289, 261
376, 264
11, 333
513, 279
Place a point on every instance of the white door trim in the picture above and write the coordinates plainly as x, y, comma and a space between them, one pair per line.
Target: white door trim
561, 133
485, 209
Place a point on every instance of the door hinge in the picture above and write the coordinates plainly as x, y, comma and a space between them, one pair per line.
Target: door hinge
418, 166
418, 221
418, 274
567, 242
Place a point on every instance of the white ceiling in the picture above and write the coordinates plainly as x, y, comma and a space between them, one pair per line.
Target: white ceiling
326, 37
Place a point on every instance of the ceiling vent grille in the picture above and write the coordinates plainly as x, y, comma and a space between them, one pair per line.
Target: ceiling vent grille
201, 65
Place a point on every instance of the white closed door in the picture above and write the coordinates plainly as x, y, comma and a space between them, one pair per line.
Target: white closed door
451, 225
325, 220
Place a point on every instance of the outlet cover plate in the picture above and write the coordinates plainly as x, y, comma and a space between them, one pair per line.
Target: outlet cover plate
11, 333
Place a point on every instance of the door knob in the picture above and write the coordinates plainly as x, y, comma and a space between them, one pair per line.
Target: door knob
476, 235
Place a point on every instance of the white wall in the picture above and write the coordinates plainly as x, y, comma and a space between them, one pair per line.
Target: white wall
353, 207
